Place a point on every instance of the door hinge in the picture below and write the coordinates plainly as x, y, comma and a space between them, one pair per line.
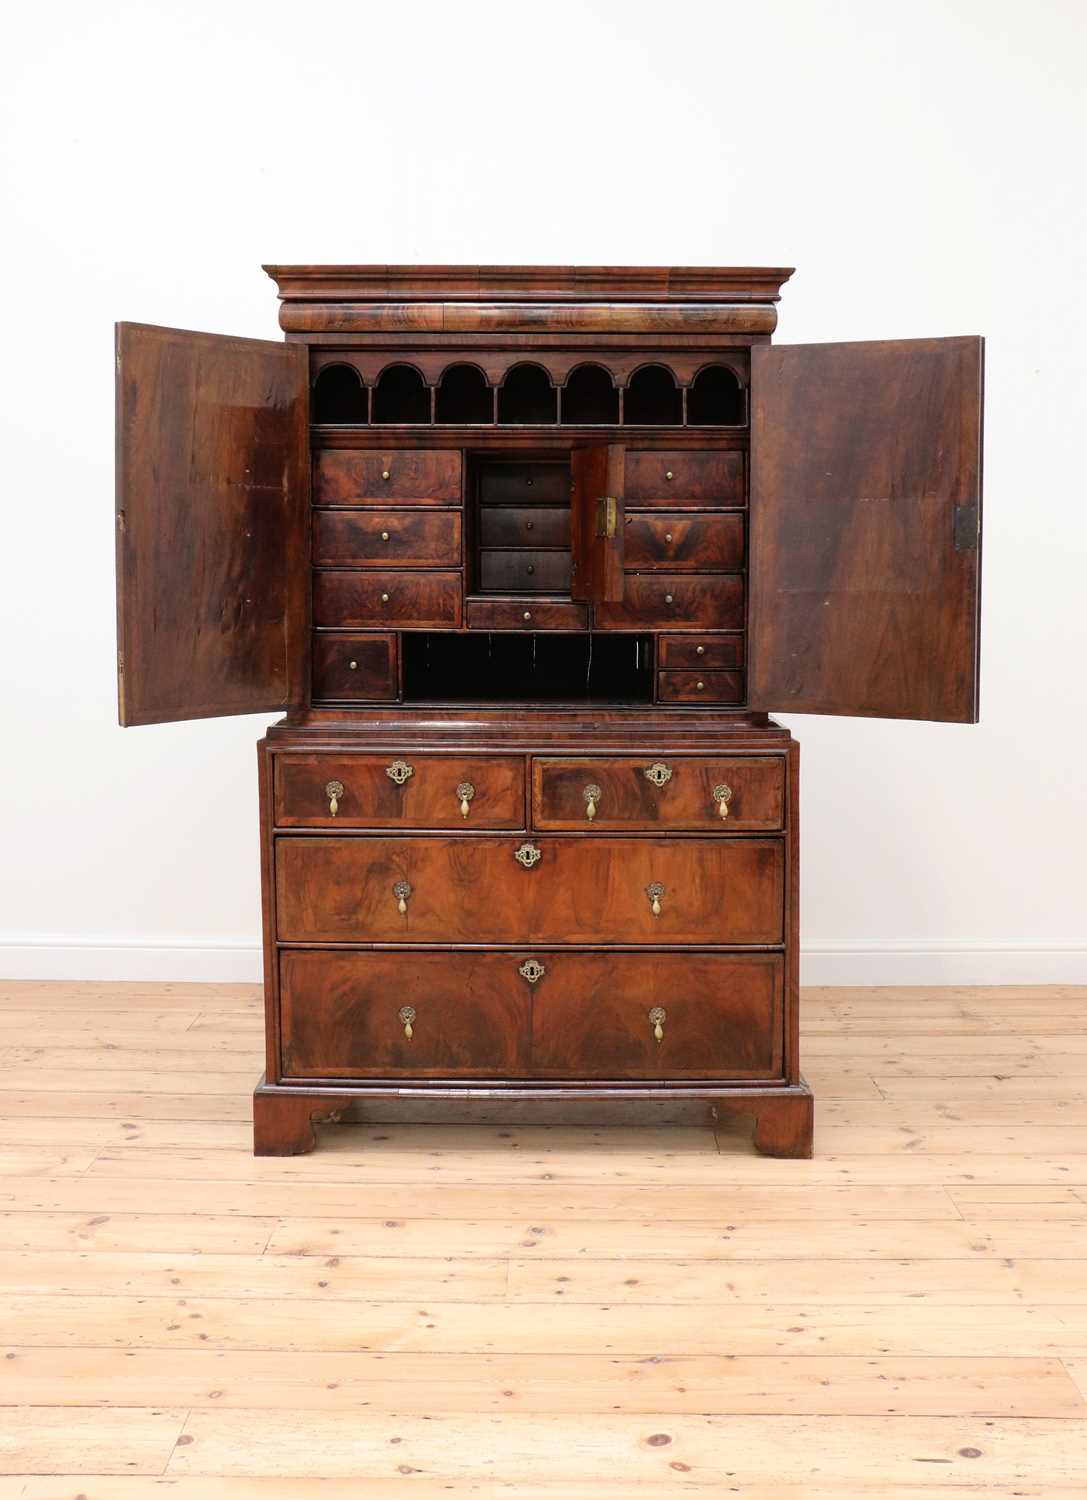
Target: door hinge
966, 528
607, 515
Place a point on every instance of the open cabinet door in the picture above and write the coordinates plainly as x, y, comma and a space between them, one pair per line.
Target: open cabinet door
211, 524
597, 522
865, 528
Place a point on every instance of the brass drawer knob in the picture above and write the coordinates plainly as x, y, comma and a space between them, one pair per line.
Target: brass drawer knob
668, 598
527, 855
385, 474
384, 536
667, 536
722, 795
657, 1017
658, 773
406, 1015
384, 598
592, 795
700, 687
700, 650
333, 791
527, 615
399, 771
668, 474
532, 970
402, 890
352, 666
655, 892
465, 792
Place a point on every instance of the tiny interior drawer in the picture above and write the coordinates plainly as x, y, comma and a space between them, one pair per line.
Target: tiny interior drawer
354, 668
706, 653
378, 538
524, 526
667, 792
700, 687
406, 476
685, 480
521, 482
511, 570
416, 601
685, 541
676, 601
526, 614
399, 791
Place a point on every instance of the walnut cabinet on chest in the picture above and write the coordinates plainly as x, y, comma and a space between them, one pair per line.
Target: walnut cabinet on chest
528, 555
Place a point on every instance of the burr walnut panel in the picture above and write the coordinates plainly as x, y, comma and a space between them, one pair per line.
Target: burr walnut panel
393, 791
401, 476
415, 601
386, 538
658, 793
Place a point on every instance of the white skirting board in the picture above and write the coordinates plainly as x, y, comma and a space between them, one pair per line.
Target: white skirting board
824, 961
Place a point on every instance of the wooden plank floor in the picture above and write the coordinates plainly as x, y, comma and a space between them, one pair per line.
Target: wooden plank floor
543, 1312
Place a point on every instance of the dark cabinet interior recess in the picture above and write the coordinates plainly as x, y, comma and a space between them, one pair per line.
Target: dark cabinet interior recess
528, 556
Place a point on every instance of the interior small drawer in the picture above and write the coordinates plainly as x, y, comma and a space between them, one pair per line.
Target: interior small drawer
354, 668
706, 653
684, 793
700, 687
400, 1015
528, 614
494, 889
405, 476
384, 538
684, 542
519, 481
394, 791
685, 480
515, 570
524, 525
676, 601
657, 1016
344, 598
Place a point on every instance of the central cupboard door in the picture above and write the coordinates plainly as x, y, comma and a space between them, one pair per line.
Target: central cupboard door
512, 890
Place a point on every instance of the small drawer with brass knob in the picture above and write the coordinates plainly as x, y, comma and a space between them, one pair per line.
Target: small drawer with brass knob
400, 791
348, 598
353, 668
380, 538
679, 542
690, 480
700, 687
703, 653
347, 476
672, 601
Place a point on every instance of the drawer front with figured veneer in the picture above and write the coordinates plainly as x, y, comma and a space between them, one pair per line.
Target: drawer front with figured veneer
676, 601
700, 687
405, 476
393, 791
487, 890
695, 542
687, 794
706, 653
347, 598
386, 538
692, 480
354, 668
526, 614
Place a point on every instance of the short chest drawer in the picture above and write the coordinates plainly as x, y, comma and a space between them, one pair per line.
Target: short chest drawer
682, 792
676, 601
354, 598
684, 480
384, 538
706, 542
403, 477
553, 890
389, 791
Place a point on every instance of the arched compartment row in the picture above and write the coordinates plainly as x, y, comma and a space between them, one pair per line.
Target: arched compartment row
526, 395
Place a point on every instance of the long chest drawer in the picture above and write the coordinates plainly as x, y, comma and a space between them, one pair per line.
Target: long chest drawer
510, 890
389, 791
684, 792
540, 1014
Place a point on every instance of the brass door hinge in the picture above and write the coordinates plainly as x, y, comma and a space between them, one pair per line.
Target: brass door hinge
607, 515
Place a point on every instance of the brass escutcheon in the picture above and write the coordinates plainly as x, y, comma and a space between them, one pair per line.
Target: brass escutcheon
527, 855
658, 773
399, 771
532, 970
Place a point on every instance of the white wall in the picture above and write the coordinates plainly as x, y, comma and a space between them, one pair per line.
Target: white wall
922, 166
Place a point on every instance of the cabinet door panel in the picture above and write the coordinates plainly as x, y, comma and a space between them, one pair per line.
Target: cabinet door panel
865, 528
596, 497
212, 547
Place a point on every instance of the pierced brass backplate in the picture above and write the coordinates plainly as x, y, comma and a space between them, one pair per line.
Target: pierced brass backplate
532, 970
527, 855
658, 773
399, 771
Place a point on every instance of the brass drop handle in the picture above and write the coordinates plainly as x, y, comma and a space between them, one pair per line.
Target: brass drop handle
592, 795
657, 1017
402, 890
655, 892
466, 791
333, 791
722, 795
406, 1015
399, 772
